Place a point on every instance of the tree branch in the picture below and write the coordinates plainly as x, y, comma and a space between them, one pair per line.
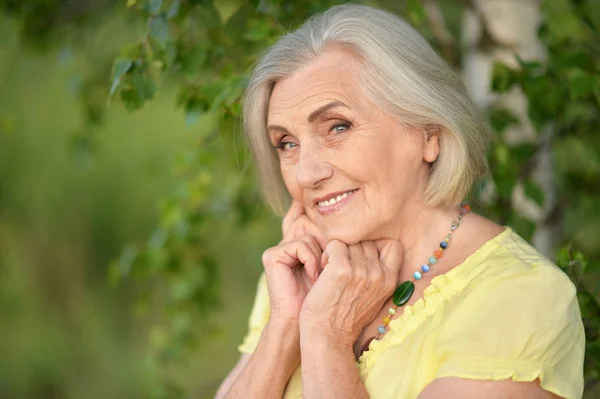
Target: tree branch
437, 24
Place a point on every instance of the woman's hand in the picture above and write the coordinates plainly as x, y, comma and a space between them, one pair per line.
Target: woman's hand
296, 224
355, 283
292, 267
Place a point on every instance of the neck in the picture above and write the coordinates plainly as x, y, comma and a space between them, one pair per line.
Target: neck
420, 230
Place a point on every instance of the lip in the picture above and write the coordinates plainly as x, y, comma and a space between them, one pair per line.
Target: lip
324, 210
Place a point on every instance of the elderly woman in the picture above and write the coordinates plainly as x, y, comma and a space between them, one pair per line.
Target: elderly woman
383, 285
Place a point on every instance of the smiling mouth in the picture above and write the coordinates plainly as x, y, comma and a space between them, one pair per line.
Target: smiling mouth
335, 200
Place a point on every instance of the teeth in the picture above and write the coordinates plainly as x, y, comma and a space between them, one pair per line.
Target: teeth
336, 199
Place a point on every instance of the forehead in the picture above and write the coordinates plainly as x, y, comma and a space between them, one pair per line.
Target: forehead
332, 77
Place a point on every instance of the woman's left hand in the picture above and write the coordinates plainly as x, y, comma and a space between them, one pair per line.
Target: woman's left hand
355, 283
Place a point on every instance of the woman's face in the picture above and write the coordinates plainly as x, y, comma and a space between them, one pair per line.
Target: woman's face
357, 170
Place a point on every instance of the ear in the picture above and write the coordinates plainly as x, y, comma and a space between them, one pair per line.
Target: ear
431, 150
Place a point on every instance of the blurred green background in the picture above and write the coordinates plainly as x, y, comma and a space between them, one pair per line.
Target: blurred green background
65, 331
130, 242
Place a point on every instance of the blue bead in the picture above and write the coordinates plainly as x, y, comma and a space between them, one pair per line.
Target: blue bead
425, 268
417, 276
443, 245
432, 260
381, 329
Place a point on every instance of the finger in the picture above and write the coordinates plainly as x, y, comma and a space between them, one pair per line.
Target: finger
356, 253
324, 260
296, 210
301, 253
314, 245
293, 254
370, 251
309, 257
337, 250
311, 229
361, 267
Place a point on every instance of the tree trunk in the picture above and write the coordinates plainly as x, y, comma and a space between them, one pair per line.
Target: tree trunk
499, 30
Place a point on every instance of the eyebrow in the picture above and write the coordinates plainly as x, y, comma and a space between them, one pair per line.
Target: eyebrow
318, 112
313, 115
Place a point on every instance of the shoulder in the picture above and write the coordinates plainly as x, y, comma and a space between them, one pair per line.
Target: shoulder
510, 267
517, 318
511, 283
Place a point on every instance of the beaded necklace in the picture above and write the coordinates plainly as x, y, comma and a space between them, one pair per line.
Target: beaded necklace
405, 290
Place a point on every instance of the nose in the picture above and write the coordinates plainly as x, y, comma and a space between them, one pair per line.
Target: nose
313, 169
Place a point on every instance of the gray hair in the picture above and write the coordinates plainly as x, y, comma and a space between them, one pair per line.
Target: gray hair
402, 75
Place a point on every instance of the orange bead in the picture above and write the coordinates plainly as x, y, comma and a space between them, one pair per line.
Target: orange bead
467, 207
386, 320
438, 254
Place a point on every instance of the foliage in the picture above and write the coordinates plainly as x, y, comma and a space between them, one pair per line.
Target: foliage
205, 49
564, 97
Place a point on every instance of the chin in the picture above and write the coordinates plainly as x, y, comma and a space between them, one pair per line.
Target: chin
349, 235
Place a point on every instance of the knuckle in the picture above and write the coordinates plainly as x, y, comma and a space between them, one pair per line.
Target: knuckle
313, 241
267, 256
332, 243
269, 251
303, 243
361, 273
342, 271
378, 275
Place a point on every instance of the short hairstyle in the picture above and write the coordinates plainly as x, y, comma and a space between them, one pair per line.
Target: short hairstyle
401, 74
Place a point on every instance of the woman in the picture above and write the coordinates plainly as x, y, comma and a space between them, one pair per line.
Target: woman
382, 284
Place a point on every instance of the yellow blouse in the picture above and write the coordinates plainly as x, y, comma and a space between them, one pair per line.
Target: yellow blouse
505, 312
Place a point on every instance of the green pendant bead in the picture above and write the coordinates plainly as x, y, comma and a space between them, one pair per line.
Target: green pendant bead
403, 293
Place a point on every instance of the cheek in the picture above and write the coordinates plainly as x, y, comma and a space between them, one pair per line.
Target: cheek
288, 174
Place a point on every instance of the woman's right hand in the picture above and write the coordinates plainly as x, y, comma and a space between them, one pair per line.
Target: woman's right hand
292, 267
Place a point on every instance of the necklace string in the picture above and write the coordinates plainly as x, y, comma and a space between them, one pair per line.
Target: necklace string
405, 290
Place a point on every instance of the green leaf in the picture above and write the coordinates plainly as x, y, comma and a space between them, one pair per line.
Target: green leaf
173, 10
416, 12
126, 259
581, 83
535, 192
191, 60
227, 8
578, 112
145, 86
154, 6
192, 116
529, 66
159, 30
502, 154
503, 78
520, 154
581, 260
545, 98
140, 88
131, 3
593, 11
120, 67
501, 118
563, 258
259, 32
562, 21
132, 51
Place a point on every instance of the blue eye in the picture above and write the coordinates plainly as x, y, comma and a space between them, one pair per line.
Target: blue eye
286, 145
340, 127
